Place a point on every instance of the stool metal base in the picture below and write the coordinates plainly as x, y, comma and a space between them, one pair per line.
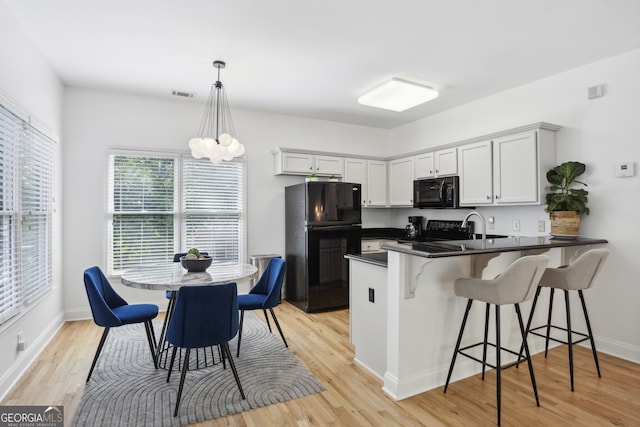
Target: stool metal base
498, 366
570, 333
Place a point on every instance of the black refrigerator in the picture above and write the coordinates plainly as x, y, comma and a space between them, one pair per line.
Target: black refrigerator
323, 223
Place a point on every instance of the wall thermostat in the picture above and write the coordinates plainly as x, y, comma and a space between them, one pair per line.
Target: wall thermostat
624, 170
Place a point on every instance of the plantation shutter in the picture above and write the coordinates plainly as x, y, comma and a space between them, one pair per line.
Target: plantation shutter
142, 204
10, 136
212, 205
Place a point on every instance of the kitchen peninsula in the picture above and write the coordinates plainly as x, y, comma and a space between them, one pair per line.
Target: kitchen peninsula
405, 316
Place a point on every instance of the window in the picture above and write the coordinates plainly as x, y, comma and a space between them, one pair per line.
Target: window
163, 204
26, 214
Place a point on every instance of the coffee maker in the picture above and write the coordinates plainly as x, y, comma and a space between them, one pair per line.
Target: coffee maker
415, 228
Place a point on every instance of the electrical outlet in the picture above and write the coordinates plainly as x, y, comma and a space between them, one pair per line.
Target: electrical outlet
541, 226
516, 225
372, 295
492, 222
21, 343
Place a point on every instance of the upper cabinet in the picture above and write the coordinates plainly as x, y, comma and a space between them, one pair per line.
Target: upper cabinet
376, 183
372, 175
476, 173
509, 169
297, 163
401, 173
436, 163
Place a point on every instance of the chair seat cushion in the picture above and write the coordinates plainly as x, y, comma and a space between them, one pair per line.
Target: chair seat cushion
251, 301
136, 313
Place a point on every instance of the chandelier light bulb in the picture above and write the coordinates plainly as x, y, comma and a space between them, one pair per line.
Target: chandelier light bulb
225, 139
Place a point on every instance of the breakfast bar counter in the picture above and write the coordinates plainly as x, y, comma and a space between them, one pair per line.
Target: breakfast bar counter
405, 316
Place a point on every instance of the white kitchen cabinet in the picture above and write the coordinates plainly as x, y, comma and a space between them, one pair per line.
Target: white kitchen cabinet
373, 245
446, 161
424, 166
401, 174
515, 168
509, 169
328, 165
475, 165
436, 163
300, 163
372, 175
355, 170
376, 183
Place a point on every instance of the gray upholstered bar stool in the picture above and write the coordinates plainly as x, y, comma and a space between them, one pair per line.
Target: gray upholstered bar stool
516, 284
577, 276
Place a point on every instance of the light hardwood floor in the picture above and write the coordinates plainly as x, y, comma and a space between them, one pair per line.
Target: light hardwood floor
354, 397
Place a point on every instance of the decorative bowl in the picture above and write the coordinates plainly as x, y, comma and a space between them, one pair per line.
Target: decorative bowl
196, 265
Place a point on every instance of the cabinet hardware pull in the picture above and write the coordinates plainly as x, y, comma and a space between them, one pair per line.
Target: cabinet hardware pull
488, 197
497, 196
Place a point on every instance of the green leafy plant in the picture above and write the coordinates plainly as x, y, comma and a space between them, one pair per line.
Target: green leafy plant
313, 175
562, 196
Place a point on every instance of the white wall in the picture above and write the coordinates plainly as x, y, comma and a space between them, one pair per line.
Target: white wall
28, 82
599, 133
96, 122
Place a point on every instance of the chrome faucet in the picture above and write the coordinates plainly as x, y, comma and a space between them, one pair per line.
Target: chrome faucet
484, 225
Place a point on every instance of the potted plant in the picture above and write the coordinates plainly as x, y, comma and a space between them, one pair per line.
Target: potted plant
333, 178
565, 203
312, 177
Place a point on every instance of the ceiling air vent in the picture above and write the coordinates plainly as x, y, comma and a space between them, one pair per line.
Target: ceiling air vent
182, 93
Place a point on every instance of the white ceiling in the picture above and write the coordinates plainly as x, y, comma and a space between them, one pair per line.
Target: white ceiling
314, 58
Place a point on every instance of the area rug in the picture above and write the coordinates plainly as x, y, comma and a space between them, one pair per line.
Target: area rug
125, 389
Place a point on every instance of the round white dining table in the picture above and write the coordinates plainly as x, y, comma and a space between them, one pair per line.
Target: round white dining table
171, 277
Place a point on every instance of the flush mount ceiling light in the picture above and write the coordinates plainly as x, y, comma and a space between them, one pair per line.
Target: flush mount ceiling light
217, 137
398, 95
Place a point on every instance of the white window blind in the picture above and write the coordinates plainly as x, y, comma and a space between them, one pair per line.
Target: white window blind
26, 214
163, 205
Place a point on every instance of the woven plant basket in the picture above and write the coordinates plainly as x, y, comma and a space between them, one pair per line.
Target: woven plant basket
565, 223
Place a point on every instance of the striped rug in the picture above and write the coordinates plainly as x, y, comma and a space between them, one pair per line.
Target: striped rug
125, 389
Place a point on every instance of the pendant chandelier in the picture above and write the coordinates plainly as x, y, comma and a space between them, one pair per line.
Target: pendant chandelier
216, 138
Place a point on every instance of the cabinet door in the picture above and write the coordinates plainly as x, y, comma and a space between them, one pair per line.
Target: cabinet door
446, 162
297, 163
329, 165
377, 183
355, 170
476, 174
401, 175
423, 164
515, 168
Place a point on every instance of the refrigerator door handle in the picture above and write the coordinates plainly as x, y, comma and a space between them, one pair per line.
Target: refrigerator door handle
332, 227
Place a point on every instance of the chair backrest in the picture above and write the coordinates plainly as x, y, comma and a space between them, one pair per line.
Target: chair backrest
176, 257
520, 280
102, 298
204, 316
580, 274
270, 283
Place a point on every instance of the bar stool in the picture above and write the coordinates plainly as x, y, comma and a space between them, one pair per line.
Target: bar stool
577, 276
513, 286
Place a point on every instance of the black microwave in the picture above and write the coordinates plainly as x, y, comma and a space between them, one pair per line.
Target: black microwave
436, 192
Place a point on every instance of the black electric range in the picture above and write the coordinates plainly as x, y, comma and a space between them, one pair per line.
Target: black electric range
444, 229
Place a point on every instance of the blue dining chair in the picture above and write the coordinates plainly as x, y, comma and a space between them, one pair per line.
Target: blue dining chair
203, 316
109, 310
264, 295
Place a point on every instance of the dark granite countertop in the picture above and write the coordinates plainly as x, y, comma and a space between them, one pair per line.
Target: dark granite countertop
382, 233
375, 258
470, 247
